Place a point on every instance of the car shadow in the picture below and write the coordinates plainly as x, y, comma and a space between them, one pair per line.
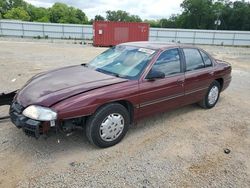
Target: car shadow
77, 141
165, 116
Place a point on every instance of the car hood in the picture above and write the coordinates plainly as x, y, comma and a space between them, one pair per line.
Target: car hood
48, 88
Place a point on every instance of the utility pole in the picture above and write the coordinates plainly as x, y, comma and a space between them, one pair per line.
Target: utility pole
217, 21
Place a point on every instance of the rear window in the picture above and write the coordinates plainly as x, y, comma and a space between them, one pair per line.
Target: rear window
193, 58
206, 59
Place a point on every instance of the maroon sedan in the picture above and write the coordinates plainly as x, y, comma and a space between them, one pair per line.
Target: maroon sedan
123, 84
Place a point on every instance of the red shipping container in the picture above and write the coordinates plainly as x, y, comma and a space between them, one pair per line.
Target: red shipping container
106, 33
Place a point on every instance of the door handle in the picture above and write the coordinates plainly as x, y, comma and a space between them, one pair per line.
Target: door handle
180, 82
211, 73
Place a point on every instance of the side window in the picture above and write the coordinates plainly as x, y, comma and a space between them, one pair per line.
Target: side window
168, 62
193, 59
206, 59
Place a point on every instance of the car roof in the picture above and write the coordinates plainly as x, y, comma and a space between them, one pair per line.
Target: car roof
156, 45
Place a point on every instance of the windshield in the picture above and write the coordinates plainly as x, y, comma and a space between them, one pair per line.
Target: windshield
122, 61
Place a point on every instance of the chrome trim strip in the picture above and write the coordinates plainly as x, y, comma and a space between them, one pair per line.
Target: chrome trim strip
137, 106
160, 100
193, 91
168, 98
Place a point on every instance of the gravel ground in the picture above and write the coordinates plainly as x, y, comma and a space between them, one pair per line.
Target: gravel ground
181, 148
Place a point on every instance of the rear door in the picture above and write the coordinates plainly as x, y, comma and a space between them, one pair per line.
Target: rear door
163, 94
198, 74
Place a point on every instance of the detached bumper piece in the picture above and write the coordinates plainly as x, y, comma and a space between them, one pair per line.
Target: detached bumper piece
29, 126
7, 98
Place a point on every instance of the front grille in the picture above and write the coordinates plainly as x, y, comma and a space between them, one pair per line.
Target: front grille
16, 107
31, 130
16, 114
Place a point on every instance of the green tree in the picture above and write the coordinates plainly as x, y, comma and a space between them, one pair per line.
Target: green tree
57, 12
99, 17
153, 23
3, 7
197, 14
134, 18
121, 16
16, 3
240, 16
18, 13
61, 13
38, 14
81, 16
233, 15
170, 22
6, 5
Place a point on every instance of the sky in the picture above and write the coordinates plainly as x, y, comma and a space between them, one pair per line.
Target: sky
146, 9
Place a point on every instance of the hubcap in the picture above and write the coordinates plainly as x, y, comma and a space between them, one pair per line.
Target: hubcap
111, 127
213, 95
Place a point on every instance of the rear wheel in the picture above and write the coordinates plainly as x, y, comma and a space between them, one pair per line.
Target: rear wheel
108, 125
212, 96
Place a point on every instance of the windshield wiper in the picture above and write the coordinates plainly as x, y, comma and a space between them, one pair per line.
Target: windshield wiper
110, 73
85, 64
117, 75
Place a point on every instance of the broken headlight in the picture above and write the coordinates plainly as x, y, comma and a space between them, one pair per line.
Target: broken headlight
40, 113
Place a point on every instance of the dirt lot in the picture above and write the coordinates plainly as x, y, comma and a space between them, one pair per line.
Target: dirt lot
181, 148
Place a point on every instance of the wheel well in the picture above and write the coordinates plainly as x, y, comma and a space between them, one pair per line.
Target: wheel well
221, 82
129, 106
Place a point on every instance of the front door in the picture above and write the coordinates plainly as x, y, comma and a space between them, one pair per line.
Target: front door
164, 93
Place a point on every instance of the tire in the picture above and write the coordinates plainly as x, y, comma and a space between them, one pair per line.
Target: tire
108, 119
207, 102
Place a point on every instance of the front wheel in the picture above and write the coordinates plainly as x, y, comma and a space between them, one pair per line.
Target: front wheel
212, 96
108, 125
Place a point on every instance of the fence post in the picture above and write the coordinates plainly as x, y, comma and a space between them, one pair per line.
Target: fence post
213, 38
82, 32
157, 35
175, 37
194, 37
43, 31
63, 31
233, 39
22, 30
1, 33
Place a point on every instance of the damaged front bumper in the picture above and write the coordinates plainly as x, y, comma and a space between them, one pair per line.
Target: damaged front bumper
29, 126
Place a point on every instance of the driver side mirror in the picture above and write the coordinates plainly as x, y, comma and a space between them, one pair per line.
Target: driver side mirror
155, 74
